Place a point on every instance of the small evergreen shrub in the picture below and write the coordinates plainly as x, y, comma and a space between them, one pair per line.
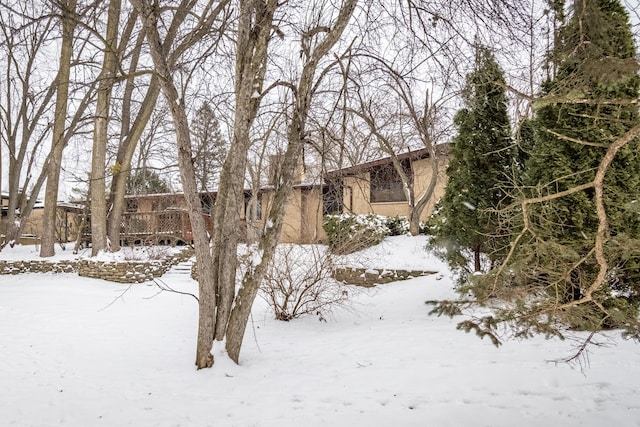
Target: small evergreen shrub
397, 225
347, 233
425, 228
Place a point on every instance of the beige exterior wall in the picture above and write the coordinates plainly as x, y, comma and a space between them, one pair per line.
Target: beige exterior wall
66, 226
422, 173
292, 226
357, 196
312, 230
303, 212
159, 203
32, 226
302, 221
34, 223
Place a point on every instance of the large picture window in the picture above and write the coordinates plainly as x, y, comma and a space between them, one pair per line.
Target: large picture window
386, 185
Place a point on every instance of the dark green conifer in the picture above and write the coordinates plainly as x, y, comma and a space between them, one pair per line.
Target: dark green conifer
591, 102
482, 158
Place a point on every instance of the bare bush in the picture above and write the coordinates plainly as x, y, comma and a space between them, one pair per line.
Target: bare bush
145, 253
299, 282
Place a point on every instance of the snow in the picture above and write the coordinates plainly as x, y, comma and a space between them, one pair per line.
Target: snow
398, 252
469, 206
32, 253
139, 253
86, 352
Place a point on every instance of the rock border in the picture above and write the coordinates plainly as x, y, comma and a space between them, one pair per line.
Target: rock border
369, 277
120, 272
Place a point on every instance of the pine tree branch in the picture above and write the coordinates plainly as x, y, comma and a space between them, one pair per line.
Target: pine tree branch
602, 233
577, 141
603, 224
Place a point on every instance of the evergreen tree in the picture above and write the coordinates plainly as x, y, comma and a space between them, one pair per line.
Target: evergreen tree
563, 268
145, 181
209, 148
482, 157
596, 62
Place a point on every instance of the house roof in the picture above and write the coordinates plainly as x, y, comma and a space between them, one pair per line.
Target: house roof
423, 153
313, 177
154, 195
71, 206
39, 204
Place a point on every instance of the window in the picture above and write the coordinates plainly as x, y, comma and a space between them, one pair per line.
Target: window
332, 199
132, 205
386, 185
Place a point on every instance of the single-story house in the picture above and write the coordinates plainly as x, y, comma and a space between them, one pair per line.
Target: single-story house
67, 217
371, 187
33, 226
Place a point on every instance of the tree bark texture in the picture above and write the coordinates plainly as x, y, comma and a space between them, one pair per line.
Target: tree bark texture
131, 136
254, 32
207, 297
58, 139
100, 134
295, 137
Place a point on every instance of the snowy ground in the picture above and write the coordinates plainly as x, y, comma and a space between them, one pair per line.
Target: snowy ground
76, 352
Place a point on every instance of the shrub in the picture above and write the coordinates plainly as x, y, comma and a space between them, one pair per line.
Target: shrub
397, 225
425, 228
347, 233
299, 281
145, 253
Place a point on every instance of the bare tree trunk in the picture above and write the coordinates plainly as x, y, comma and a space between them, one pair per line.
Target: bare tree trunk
421, 203
254, 32
476, 258
123, 161
129, 141
55, 160
119, 179
21, 111
424, 125
207, 297
295, 137
100, 135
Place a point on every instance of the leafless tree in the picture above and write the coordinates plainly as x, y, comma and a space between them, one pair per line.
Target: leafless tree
150, 14
26, 100
100, 137
255, 25
316, 42
395, 125
176, 42
68, 12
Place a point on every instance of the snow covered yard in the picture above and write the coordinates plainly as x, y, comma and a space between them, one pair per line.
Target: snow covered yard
79, 352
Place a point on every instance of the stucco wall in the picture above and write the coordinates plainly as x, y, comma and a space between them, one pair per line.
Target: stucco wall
292, 225
357, 196
312, 230
356, 192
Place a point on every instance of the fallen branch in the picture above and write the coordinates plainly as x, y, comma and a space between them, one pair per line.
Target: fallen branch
166, 288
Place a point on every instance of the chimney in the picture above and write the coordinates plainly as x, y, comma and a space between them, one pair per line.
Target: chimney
275, 166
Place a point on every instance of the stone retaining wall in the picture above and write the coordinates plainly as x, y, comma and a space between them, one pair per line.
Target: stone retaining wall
121, 272
369, 277
18, 267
